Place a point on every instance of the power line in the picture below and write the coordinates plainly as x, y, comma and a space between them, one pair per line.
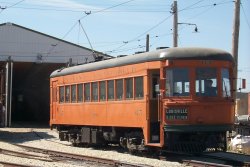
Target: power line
108, 8
7, 7
16, 4
81, 11
126, 49
245, 16
186, 8
162, 21
83, 29
156, 25
211, 5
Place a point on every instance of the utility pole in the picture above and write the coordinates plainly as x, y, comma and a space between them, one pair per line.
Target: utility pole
235, 43
147, 43
175, 24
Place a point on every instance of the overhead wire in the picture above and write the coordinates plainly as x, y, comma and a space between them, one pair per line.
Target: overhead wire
15, 4
107, 8
245, 16
7, 7
150, 29
83, 18
153, 27
80, 11
186, 8
211, 5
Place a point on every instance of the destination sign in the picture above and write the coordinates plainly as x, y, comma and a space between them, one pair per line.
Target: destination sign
176, 114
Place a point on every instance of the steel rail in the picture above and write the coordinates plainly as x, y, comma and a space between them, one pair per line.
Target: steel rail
195, 163
9, 164
81, 157
231, 158
24, 155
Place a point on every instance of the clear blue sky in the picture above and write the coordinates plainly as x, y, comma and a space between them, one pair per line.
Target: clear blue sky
118, 27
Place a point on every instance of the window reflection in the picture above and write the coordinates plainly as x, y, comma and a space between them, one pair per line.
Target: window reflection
94, 91
225, 83
129, 88
102, 91
139, 87
73, 93
80, 92
206, 82
87, 91
119, 89
61, 94
177, 82
67, 94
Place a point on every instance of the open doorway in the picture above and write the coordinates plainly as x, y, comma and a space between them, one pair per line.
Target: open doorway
30, 92
153, 106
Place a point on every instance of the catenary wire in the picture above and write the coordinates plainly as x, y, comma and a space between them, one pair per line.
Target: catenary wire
245, 16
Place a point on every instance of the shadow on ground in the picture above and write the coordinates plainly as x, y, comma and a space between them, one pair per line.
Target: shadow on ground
23, 132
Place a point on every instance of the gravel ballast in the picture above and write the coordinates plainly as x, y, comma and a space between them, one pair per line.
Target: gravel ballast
48, 139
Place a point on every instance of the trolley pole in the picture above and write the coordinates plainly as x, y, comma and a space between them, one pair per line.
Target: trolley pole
235, 44
175, 24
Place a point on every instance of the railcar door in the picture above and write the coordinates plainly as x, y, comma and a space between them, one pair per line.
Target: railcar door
153, 106
54, 101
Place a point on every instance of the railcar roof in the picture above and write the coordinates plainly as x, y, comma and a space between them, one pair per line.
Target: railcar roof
163, 54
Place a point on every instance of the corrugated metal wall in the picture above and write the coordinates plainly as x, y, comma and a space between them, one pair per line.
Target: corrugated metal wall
26, 45
34, 56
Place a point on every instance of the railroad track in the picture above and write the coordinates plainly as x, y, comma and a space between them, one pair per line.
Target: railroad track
56, 155
220, 159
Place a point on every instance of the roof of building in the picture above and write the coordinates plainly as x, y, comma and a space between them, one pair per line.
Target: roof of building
24, 44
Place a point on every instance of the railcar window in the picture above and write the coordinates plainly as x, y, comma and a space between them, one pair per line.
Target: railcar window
67, 94
73, 93
102, 91
206, 82
177, 82
129, 88
119, 89
61, 94
139, 87
87, 91
79, 93
94, 91
110, 90
225, 83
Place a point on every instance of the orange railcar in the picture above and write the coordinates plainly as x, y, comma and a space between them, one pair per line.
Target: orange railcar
157, 99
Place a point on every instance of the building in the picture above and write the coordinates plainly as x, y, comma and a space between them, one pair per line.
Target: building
27, 57
242, 103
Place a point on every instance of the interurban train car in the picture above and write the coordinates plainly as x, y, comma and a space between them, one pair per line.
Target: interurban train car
174, 99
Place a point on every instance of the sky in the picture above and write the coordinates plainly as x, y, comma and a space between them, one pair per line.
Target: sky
119, 27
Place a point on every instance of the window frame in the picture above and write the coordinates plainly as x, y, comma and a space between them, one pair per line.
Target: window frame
101, 91
78, 94
61, 93
203, 82
172, 84
131, 88
135, 87
89, 92
93, 86
108, 89
67, 99
119, 89
72, 95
